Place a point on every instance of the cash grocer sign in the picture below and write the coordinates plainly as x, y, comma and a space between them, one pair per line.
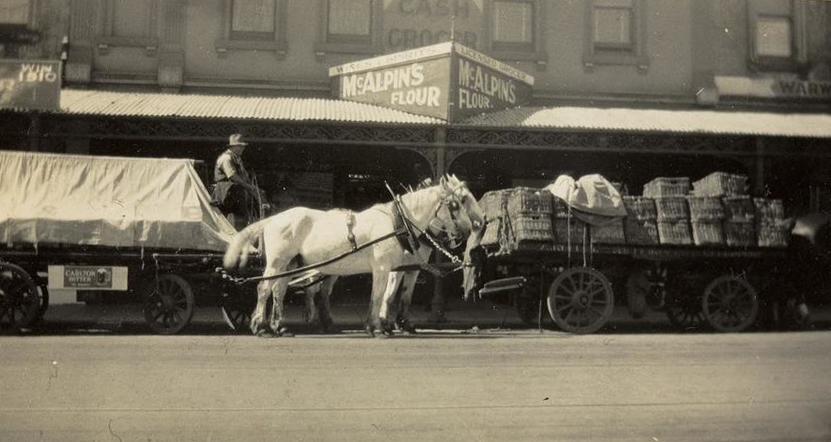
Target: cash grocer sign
30, 84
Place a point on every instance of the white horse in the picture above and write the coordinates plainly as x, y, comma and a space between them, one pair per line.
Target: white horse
315, 236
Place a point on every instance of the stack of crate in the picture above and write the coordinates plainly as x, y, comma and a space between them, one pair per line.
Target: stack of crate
770, 217
731, 189
673, 214
529, 212
706, 218
567, 228
640, 225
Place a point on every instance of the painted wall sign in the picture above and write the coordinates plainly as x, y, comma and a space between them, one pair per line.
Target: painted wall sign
447, 81
415, 23
88, 277
773, 87
30, 84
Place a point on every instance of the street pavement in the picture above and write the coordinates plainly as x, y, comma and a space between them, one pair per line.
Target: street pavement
441, 385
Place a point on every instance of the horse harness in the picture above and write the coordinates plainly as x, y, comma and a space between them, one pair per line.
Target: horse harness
403, 230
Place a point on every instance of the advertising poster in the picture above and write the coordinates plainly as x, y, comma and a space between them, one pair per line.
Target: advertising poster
30, 84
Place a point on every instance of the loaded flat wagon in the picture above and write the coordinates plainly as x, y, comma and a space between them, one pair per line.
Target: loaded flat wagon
706, 255
95, 223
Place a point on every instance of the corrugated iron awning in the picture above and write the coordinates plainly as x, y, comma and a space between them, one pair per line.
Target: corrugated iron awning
683, 122
131, 104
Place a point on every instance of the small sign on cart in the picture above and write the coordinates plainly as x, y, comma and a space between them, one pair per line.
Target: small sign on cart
88, 277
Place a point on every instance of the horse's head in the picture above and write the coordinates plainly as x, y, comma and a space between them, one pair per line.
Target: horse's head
457, 213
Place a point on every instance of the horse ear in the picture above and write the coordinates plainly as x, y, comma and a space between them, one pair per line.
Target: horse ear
443, 180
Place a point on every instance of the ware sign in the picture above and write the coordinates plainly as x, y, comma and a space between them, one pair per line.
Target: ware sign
446, 81
30, 84
88, 277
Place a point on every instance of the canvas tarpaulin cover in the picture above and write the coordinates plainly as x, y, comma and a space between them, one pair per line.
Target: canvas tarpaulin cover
107, 201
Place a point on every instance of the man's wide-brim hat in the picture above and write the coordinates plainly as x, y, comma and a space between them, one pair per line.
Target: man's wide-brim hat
236, 140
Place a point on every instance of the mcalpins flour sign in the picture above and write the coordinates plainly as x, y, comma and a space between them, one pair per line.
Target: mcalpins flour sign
447, 81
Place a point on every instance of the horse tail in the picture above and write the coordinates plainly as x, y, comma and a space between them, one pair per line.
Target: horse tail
236, 255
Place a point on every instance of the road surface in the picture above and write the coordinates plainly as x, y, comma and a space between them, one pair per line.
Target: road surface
439, 386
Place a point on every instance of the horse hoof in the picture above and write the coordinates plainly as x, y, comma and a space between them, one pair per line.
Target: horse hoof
285, 333
369, 331
266, 334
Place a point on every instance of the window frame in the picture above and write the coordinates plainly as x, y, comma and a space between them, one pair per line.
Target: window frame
149, 40
770, 63
634, 53
344, 43
532, 51
30, 19
253, 41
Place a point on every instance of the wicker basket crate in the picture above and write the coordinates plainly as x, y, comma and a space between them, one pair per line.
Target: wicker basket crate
663, 187
529, 201
492, 233
707, 233
772, 236
721, 184
531, 228
640, 208
612, 233
674, 232
739, 233
493, 203
705, 208
672, 209
569, 231
769, 211
640, 232
739, 208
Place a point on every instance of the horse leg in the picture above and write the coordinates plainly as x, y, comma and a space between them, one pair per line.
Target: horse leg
324, 311
379, 281
388, 300
403, 317
310, 312
257, 323
278, 293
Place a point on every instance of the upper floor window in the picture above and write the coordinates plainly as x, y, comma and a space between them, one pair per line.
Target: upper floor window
349, 26
513, 25
616, 32
613, 26
252, 19
777, 34
349, 21
256, 25
15, 11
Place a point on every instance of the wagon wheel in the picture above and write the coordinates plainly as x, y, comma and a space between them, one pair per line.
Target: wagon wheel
237, 309
730, 304
684, 312
580, 300
43, 292
168, 307
19, 298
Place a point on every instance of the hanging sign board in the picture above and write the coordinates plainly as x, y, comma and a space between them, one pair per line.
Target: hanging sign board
30, 84
447, 81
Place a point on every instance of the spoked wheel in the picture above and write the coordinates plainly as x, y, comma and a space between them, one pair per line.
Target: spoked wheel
168, 307
237, 309
685, 312
730, 304
20, 300
580, 300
